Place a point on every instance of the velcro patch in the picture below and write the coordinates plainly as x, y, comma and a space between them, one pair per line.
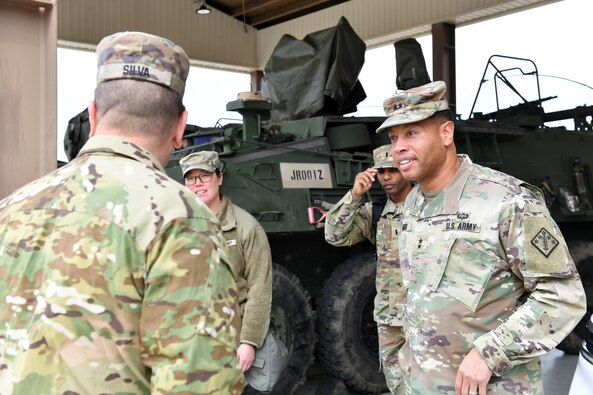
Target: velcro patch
421, 244
231, 243
542, 255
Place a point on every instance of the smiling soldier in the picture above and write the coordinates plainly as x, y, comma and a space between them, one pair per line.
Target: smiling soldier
490, 283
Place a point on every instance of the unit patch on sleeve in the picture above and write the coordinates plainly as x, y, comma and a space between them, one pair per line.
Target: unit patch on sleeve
544, 253
544, 242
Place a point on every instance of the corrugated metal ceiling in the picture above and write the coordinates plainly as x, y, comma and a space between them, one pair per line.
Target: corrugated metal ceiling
233, 36
261, 14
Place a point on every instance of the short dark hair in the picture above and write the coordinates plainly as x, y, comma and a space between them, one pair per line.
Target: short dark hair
137, 107
442, 116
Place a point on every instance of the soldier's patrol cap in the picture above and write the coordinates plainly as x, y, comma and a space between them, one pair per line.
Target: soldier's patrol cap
383, 158
203, 160
414, 105
142, 56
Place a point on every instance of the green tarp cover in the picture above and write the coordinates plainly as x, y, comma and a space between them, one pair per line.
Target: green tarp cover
315, 76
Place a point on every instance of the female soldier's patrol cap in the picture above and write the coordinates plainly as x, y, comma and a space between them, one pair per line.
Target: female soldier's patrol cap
414, 105
383, 158
203, 160
142, 56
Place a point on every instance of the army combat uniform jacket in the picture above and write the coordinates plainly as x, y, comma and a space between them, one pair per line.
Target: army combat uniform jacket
350, 222
114, 279
251, 263
485, 266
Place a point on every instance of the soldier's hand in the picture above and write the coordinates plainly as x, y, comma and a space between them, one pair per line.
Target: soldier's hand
246, 356
363, 182
473, 375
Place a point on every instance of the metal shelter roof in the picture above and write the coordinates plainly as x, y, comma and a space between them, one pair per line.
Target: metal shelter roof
241, 34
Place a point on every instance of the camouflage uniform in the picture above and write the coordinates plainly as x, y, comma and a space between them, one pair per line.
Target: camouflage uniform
350, 222
112, 282
519, 298
113, 277
485, 266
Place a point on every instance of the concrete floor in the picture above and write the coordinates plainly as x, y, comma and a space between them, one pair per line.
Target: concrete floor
557, 370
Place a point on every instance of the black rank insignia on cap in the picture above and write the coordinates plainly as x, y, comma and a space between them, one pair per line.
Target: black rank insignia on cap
544, 242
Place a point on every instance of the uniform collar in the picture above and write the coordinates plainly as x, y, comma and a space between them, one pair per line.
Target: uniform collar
447, 201
392, 207
119, 146
226, 216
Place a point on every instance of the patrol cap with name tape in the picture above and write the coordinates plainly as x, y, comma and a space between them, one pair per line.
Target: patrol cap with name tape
203, 160
383, 158
142, 56
414, 105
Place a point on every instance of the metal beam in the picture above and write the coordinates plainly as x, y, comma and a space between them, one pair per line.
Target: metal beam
443, 58
292, 11
256, 77
252, 6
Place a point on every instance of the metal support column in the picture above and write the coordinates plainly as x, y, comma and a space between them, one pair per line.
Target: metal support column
443, 58
256, 77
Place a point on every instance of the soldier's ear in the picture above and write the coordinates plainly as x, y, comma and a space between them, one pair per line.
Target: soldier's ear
446, 130
179, 130
92, 118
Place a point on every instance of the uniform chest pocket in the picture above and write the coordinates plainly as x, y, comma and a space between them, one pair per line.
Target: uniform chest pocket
466, 273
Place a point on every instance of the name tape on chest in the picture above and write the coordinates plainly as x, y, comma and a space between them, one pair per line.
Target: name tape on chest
231, 243
462, 226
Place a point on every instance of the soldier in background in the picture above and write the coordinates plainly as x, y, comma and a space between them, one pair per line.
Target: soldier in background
249, 251
490, 283
350, 222
113, 277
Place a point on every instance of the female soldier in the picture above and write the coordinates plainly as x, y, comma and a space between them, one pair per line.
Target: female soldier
250, 255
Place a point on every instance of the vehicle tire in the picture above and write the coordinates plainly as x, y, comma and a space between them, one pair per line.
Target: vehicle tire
292, 315
582, 254
348, 340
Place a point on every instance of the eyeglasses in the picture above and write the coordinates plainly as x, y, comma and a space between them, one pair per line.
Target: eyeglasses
204, 178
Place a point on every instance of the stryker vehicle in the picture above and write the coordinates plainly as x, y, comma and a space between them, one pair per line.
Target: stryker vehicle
287, 173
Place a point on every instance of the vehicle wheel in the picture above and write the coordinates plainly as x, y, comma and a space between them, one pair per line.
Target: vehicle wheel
348, 340
292, 316
582, 253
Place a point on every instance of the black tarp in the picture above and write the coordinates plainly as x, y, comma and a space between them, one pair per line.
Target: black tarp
77, 133
410, 64
315, 76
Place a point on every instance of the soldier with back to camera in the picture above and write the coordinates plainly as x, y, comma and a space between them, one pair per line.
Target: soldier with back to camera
490, 283
350, 222
113, 277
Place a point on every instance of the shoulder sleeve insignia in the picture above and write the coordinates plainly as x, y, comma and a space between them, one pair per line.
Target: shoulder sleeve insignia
545, 248
544, 242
